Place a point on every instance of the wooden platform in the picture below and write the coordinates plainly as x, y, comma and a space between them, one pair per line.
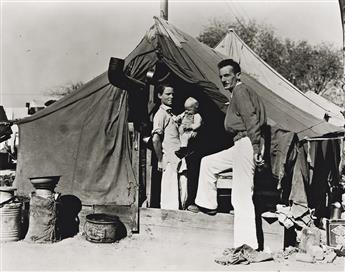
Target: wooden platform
219, 228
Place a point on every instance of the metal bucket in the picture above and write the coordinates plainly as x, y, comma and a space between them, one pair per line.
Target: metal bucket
10, 220
101, 228
6, 193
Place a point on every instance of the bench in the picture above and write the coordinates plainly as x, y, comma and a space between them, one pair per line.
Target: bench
224, 180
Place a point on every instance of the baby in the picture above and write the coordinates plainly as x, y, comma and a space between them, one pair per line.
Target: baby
189, 123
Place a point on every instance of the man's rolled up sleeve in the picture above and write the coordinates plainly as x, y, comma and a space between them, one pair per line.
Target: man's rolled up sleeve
158, 124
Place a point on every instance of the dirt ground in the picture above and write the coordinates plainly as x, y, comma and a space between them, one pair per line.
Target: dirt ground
158, 246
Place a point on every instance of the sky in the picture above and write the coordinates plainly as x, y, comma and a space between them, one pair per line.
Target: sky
48, 44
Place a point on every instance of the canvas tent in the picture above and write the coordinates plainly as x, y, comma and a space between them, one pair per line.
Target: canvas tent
312, 170
196, 64
232, 45
84, 136
5, 127
333, 110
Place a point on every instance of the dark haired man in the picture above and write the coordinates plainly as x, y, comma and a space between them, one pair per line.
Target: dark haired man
245, 120
166, 141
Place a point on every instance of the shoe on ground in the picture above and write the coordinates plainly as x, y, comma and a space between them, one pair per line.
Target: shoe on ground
193, 208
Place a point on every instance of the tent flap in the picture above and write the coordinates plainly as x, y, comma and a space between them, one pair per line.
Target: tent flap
86, 143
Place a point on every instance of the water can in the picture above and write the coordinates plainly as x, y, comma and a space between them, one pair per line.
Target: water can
10, 221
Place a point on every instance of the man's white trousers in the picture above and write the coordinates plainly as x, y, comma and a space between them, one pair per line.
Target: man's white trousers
173, 188
240, 158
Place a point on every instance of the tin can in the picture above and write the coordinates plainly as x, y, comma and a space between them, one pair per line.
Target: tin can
336, 210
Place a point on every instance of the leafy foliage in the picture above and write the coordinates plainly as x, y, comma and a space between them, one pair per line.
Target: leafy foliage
66, 89
309, 67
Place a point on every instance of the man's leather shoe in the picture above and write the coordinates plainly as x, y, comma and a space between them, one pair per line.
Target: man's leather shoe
196, 209
208, 211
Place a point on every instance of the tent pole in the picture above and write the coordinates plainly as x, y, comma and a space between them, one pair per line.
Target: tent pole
164, 10
341, 164
342, 15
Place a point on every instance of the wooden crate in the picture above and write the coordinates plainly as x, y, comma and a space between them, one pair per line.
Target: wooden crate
335, 230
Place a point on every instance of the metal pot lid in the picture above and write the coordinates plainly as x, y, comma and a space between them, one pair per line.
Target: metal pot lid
45, 179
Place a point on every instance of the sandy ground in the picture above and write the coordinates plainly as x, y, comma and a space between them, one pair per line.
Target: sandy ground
156, 247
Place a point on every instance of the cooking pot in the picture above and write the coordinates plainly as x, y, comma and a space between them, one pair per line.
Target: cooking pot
101, 228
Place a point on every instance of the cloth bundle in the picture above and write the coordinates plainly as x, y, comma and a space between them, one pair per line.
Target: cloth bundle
42, 220
242, 255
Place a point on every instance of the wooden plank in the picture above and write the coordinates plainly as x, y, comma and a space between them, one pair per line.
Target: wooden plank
142, 172
184, 219
224, 183
188, 220
136, 168
185, 223
148, 178
224, 180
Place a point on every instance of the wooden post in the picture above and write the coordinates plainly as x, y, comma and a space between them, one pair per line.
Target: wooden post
148, 178
142, 172
342, 14
341, 163
164, 9
135, 138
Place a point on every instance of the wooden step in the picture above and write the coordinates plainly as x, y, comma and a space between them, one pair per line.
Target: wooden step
199, 224
188, 220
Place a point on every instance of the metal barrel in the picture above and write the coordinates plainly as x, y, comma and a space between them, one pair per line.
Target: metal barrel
10, 221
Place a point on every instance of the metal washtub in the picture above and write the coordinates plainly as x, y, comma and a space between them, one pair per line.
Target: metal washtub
101, 228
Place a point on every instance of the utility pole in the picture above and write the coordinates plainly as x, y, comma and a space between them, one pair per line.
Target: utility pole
342, 13
164, 9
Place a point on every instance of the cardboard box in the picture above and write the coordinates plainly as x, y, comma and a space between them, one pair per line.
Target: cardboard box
335, 232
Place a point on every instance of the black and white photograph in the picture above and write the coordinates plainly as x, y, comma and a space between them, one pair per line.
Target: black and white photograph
171, 135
